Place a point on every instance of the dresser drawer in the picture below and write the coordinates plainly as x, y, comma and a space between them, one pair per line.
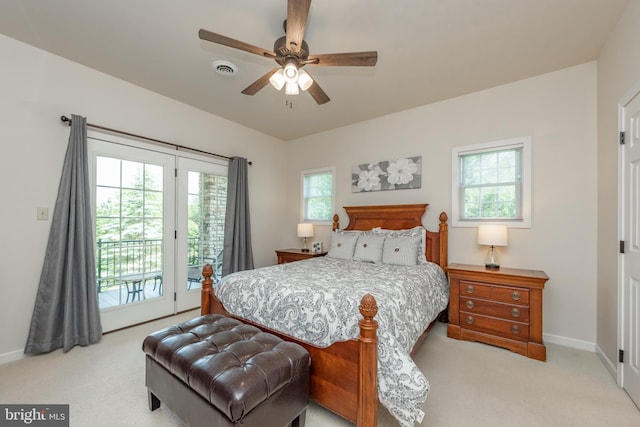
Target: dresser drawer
518, 313
505, 328
494, 292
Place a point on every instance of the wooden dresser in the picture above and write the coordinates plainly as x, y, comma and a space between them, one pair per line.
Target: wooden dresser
499, 307
290, 255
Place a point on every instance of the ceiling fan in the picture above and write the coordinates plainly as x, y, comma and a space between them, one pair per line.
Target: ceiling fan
291, 53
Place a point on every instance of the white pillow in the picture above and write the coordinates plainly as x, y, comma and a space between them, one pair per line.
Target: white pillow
342, 245
369, 248
400, 250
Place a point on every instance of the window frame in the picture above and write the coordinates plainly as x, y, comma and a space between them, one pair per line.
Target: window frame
525, 197
320, 171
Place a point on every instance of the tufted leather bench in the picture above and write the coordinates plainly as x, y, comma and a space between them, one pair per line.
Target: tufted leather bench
217, 371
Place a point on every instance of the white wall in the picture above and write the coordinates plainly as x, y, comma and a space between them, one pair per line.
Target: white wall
558, 110
618, 72
36, 89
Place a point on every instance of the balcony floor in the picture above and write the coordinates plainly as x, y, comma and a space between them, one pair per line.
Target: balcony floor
117, 295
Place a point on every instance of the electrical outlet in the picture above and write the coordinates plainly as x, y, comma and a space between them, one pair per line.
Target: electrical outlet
42, 214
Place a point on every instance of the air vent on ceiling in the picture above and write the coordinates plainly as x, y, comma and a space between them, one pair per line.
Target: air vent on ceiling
225, 68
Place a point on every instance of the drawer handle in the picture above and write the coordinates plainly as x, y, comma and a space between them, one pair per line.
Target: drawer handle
515, 312
469, 289
470, 320
515, 295
515, 329
469, 304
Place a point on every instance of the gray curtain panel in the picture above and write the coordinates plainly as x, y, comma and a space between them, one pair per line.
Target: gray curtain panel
66, 311
237, 254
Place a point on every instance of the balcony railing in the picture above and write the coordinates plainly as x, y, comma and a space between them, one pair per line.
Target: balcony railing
115, 259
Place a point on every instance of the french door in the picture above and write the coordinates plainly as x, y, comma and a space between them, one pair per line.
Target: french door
203, 188
157, 221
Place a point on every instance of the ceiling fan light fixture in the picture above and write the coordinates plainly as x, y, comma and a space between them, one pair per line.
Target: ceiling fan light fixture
304, 79
290, 72
277, 79
291, 88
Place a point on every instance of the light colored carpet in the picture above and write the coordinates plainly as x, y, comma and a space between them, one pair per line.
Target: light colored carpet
471, 385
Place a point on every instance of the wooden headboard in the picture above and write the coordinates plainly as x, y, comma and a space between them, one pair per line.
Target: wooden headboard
398, 217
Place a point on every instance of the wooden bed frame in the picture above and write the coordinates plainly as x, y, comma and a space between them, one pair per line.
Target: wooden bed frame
344, 375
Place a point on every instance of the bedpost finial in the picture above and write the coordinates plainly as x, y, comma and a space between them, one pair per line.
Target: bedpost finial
207, 271
443, 217
368, 306
336, 222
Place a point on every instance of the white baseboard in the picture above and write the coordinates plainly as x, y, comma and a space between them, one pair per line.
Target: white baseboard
570, 342
12, 356
608, 364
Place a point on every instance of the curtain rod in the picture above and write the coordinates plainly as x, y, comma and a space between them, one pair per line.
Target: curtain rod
65, 119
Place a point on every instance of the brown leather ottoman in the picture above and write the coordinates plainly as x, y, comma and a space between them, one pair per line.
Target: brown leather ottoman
217, 371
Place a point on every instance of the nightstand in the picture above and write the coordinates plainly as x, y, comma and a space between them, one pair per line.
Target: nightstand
291, 255
499, 307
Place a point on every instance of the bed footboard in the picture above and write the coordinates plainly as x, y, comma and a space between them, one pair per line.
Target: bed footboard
344, 376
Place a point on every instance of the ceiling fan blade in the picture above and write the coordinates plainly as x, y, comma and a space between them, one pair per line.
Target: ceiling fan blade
236, 44
254, 87
297, 13
318, 94
356, 59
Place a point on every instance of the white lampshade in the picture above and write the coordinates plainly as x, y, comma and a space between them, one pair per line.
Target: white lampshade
277, 79
492, 235
304, 80
290, 72
291, 88
305, 229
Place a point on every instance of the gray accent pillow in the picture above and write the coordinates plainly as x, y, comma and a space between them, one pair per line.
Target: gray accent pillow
400, 250
369, 248
409, 232
342, 245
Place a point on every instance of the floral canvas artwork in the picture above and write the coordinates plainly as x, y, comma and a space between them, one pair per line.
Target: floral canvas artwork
387, 175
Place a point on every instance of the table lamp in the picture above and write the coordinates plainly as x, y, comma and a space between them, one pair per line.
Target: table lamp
492, 235
305, 230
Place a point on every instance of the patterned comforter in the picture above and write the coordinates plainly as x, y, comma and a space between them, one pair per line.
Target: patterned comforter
317, 301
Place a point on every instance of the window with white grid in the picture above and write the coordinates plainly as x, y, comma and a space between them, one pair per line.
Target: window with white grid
318, 195
492, 183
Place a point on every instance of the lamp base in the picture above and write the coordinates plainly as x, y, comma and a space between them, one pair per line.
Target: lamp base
492, 266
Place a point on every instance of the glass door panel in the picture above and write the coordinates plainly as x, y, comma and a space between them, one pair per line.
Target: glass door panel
203, 188
133, 205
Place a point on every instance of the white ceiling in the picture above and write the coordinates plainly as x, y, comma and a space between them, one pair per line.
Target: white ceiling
428, 50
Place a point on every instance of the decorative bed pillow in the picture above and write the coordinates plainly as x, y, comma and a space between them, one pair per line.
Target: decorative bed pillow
418, 230
369, 248
342, 245
400, 250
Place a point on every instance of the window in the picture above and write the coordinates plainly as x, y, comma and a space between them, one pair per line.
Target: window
317, 195
492, 183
